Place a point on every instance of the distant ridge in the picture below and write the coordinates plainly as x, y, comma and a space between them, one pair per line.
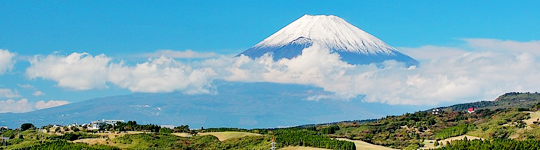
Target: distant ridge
354, 45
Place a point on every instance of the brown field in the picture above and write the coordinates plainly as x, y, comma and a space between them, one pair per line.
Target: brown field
301, 148
222, 136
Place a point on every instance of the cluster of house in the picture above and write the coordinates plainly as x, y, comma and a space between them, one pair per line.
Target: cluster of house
93, 125
437, 111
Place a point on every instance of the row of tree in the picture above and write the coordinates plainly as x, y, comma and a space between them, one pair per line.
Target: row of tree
312, 139
454, 131
496, 144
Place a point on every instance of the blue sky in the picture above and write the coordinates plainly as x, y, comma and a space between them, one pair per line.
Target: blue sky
121, 29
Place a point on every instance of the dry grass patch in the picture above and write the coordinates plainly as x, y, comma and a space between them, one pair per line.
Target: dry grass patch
103, 141
534, 117
182, 134
361, 145
222, 136
113, 135
92, 141
430, 144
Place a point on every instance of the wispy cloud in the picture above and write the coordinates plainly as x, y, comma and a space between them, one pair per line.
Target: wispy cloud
26, 86
38, 93
178, 54
506, 46
52, 103
6, 61
8, 93
23, 105
430, 52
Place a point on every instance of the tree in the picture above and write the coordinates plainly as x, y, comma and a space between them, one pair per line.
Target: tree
26, 126
182, 128
165, 131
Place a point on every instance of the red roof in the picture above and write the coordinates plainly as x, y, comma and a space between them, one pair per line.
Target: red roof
471, 109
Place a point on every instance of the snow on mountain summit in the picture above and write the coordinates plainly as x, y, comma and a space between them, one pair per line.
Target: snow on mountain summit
354, 45
330, 31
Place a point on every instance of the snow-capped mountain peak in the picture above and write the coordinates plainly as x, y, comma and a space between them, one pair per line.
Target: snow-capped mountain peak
330, 31
354, 45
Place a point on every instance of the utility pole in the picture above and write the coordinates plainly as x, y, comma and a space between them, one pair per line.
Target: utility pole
273, 143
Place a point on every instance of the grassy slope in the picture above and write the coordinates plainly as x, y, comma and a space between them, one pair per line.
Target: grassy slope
500, 119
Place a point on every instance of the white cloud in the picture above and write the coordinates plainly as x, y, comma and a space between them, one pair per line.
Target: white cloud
465, 75
52, 103
79, 71
15, 106
429, 52
446, 74
179, 54
38, 93
82, 71
6, 61
8, 93
162, 75
26, 86
23, 105
514, 47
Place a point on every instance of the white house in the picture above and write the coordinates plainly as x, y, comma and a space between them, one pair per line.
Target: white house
94, 125
436, 111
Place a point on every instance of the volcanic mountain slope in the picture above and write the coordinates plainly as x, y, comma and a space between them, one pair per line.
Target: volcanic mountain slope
354, 45
243, 105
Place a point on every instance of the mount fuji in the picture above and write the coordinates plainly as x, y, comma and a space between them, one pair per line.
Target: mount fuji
354, 45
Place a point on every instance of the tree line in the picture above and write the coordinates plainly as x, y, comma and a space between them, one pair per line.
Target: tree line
312, 139
496, 144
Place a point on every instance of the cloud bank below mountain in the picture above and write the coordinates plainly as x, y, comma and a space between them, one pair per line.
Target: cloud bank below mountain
474, 71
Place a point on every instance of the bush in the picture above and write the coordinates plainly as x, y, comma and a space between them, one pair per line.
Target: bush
26, 126
65, 145
522, 109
